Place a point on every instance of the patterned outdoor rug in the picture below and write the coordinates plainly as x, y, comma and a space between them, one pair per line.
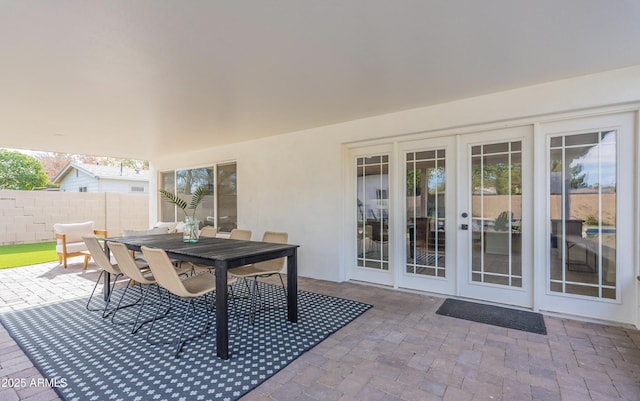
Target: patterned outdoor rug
85, 357
496, 315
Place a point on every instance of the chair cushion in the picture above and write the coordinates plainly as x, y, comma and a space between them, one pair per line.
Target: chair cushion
179, 226
74, 231
170, 225
151, 231
72, 247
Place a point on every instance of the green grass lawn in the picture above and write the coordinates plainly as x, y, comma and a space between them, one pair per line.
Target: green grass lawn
27, 254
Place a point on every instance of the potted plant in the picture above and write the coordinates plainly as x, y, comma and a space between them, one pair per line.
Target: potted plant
191, 225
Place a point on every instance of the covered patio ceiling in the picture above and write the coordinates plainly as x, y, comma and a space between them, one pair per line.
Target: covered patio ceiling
146, 78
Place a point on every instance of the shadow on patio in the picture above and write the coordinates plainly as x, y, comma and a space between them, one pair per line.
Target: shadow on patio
397, 350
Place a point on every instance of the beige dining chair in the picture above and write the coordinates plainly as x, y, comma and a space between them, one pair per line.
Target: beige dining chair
100, 258
208, 231
262, 269
142, 278
237, 233
191, 289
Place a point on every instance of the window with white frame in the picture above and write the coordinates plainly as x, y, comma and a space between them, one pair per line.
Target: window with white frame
219, 206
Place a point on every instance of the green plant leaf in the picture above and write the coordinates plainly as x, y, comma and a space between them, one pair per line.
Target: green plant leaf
198, 196
174, 199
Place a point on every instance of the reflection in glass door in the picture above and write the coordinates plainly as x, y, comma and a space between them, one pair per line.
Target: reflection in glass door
496, 213
425, 206
583, 214
373, 212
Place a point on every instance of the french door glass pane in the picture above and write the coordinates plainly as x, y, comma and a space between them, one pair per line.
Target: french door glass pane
583, 200
373, 212
496, 193
425, 205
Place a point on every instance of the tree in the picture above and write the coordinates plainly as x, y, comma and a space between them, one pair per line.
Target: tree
20, 171
576, 175
498, 176
54, 162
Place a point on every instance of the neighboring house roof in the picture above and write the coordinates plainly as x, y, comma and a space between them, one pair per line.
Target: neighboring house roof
104, 172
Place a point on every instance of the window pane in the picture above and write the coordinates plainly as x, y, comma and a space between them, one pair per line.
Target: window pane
496, 148
581, 139
167, 210
227, 198
583, 215
496, 211
556, 142
425, 205
372, 210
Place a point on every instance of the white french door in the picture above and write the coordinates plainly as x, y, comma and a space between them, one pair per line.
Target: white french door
589, 223
372, 208
542, 221
428, 186
494, 216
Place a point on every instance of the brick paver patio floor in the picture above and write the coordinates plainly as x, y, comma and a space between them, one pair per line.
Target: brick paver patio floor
398, 350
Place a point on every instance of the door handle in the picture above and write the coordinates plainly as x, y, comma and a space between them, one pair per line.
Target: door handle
464, 226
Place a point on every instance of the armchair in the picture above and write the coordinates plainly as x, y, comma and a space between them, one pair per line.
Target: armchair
70, 242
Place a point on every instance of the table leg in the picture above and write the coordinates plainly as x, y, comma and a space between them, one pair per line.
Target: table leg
292, 287
222, 315
106, 287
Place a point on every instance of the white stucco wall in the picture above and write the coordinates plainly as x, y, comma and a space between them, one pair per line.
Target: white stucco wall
296, 182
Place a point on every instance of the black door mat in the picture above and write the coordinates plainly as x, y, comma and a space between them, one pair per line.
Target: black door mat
495, 315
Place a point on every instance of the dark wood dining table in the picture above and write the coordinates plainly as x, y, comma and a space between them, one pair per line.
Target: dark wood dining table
223, 254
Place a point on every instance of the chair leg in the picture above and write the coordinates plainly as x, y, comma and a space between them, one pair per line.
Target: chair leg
232, 299
106, 304
94, 290
254, 306
184, 323
120, 302
136, 302
256, 297
192, 305
155, 316
137, 326
106, 313
285, 289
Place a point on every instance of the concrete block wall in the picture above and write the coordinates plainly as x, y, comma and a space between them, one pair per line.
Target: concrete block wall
29, 216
